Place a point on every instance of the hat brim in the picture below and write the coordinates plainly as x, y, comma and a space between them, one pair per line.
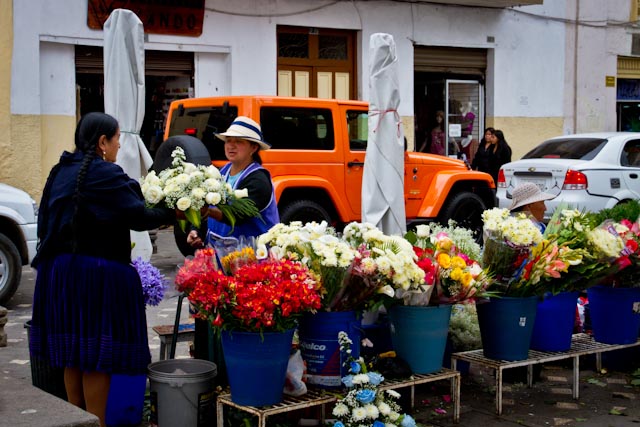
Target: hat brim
536, 198
223, 136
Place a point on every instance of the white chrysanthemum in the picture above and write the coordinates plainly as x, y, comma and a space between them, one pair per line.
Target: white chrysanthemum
183, 203
182, 179
361, 379
384, 408
189, 168
372, 411
393, 394
340, 410
393, 416
358, 414
198, 193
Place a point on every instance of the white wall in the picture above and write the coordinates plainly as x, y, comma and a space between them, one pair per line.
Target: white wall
530, 70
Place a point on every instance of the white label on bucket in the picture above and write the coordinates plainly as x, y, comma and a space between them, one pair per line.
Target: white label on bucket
636, 307
523, 322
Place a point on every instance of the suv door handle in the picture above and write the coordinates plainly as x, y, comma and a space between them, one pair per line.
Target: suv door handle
352, 164
633, 175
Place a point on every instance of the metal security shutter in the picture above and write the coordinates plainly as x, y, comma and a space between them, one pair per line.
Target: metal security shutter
450, 60
89, 59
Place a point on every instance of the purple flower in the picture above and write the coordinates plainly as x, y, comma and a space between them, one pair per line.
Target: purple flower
153, 282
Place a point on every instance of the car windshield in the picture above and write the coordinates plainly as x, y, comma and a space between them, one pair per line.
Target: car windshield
568, 148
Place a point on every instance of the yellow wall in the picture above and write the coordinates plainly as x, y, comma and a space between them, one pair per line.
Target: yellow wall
6, 46
29, 144
524, 133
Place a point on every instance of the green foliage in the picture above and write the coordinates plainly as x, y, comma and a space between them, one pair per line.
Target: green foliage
628, 210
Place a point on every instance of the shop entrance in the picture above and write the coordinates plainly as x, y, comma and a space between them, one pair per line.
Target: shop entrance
449, 100
168, 76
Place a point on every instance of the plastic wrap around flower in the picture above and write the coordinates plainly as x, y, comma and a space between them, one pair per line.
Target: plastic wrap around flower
364, 404
189, 188
508, 240
265, 296
447, 255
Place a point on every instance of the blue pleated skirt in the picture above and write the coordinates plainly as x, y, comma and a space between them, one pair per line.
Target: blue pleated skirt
89, 313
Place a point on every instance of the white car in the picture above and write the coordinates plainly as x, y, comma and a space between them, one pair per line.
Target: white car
18, 237
586, 171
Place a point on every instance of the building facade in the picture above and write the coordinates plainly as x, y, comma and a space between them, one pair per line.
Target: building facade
536, 70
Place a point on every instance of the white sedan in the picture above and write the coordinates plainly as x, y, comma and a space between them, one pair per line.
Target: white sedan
586, 171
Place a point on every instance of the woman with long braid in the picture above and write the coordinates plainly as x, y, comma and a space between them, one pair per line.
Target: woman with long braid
88, 308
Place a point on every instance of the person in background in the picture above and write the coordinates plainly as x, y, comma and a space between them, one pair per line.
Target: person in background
243, 142
527, 197
88, 307
492, 153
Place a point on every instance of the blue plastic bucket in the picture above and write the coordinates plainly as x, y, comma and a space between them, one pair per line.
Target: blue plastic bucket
126, 400
506, 326
256, 365
419, 335
555, 319
615, 314
320, 349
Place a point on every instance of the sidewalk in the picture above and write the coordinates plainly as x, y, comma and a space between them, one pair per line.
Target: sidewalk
606, 399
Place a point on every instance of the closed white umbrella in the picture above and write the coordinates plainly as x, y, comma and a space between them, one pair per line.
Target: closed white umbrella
383, 176
124, 100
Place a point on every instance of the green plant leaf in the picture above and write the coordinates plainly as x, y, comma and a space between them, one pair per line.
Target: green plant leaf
193, 216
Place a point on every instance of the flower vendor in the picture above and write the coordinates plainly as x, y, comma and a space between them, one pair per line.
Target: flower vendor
527, 197
243, 142
88, 307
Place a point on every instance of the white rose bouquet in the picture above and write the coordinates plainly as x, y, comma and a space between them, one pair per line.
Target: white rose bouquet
189, 188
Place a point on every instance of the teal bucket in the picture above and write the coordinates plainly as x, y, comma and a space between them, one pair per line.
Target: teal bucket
419, 335
257, 365
506, 326
615, 314
125, 400
320, 349
555, 319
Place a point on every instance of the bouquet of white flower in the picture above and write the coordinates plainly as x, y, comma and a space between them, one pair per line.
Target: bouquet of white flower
188, 188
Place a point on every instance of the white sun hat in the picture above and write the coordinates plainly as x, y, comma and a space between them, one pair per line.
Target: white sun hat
526, 193
245, 128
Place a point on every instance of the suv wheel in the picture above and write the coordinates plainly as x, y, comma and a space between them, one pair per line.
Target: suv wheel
304, 211
465, 209
10, 269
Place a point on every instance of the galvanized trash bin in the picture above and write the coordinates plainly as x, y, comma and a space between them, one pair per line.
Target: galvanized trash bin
182, 393
43, 375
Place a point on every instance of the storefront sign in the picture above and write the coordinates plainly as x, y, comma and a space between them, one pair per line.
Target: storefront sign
179, 17
628, 90
610, 81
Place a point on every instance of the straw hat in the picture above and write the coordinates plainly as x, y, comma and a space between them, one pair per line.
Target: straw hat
245, 128
526, 193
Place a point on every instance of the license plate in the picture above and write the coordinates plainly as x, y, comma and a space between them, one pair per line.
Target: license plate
541, 183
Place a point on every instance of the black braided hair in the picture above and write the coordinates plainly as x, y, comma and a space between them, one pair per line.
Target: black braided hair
88, 132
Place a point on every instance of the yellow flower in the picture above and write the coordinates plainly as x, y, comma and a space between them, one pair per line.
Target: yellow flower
456, 274
444, 260
458, 262
466, 279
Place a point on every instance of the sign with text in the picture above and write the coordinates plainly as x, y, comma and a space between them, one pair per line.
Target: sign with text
179, 17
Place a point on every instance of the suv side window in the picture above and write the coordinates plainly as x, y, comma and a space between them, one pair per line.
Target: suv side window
297, 128
358, 126
631, 154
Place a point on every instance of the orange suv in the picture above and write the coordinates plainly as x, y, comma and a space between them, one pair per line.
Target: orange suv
317, 159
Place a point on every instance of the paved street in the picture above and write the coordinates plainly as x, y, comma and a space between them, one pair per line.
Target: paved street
606, 399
